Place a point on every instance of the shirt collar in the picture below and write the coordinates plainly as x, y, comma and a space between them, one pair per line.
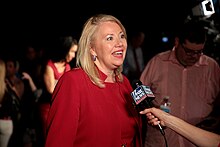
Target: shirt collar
102, 75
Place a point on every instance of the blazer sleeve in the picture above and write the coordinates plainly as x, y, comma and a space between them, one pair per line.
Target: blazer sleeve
64, 113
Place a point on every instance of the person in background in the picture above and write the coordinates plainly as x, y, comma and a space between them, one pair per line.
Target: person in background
28, 115
64, 50
188, 77
134, 60
7, 109
91, 104
31, 63
14, 81
37, 92
197, 136
13, 76
26, 91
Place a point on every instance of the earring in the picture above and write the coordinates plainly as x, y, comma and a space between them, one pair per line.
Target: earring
94, 57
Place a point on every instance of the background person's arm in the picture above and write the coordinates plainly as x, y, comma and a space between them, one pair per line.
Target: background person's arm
49, 79
30, 80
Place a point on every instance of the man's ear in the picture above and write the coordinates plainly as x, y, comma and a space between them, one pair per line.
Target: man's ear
176, 42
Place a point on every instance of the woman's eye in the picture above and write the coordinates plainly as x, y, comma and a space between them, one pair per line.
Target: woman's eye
122, 36
110, 38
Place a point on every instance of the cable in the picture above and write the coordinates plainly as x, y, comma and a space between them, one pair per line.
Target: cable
163, 133
165, 139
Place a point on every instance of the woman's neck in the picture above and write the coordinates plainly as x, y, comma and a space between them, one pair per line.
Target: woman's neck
110, 76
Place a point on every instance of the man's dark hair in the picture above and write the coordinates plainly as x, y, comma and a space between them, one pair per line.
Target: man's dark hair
193, 31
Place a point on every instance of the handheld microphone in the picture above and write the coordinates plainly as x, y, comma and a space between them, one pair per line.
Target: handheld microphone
143, 97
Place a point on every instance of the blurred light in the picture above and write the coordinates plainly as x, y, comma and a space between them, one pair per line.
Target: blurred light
165, 39
217, 38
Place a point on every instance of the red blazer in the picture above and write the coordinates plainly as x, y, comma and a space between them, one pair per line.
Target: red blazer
83, 115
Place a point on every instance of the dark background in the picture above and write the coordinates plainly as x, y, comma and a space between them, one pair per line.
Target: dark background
38, 22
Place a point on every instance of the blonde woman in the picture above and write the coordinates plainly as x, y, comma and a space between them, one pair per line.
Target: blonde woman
91, 104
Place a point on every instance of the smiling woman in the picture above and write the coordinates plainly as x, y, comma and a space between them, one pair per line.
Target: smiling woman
94, 99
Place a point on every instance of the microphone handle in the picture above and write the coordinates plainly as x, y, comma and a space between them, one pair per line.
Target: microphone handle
150, 104
147, 103
161, 129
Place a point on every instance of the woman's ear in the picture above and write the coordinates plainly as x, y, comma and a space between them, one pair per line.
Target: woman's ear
92, 52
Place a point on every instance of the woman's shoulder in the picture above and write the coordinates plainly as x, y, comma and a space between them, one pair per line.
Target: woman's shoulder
49, 62
76, 73
75, 77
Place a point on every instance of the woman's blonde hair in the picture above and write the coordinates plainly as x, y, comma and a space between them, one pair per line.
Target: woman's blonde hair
2, 79
84, 57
